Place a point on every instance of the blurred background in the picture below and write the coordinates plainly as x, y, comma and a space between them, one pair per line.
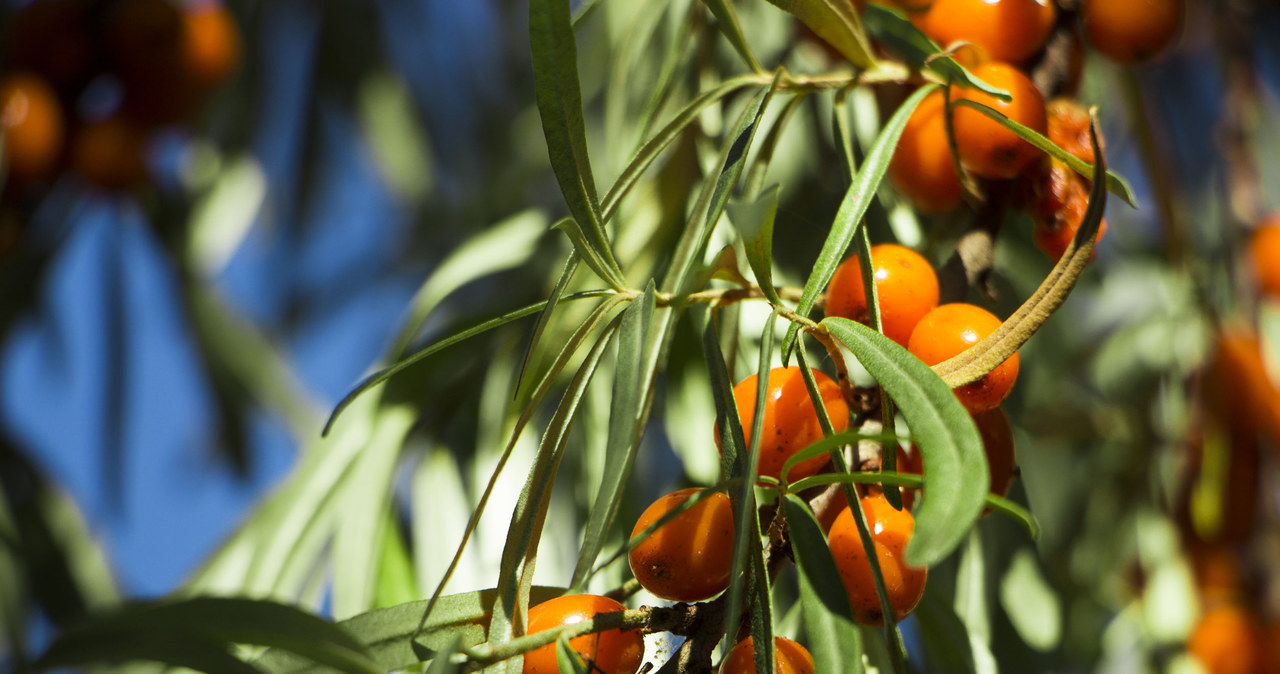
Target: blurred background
250, 205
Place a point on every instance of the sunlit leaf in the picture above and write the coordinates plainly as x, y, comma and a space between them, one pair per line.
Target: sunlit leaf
955, 463
754, 220
837, 22
834, 639
727, 20
893, 30
854, 205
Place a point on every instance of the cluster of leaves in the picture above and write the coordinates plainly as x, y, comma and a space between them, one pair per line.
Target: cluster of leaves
666, 289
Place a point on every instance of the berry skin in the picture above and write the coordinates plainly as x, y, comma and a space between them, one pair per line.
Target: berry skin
1008, 30
1264, 251
951, 329
790, 420
921, 167
1133, 31
890, 531
1058, 199
986, 148
610, 652
789, 657
905, 283
1227, 640
31, 118
689, 558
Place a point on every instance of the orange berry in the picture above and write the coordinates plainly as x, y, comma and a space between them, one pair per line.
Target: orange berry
1264, 251
905, 284
212, 45
688, 558
1133, 31
789, 657
1227, 640
110, 153
1008, 30
986, 148
950, 330
33, 127
610, 652
890, 531
790, 421
1068, 128
921, 167
1062, 199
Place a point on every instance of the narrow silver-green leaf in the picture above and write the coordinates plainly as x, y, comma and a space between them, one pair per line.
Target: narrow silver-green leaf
383, 375
631, 391
1115, 183
837, 22
957, 479
943, 635
754, 221
566, 275
732, 29
588, 254
217, 621
854, 205
559, 98
834, 638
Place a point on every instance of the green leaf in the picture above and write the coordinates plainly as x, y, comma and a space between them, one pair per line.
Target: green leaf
971, 602
852, 208
834, 639
754, 220
631, 395
1115, 183
366, 499
388, 634
1030, 602
715, 194
568, 659
769, 146
893, 30
559, 97
727, 19
174, 651
530, 514
403, 364
653, 147
442, 662
396, 583
837, 22
588, 254
507, 244
140, 631
955, 463
943, 635
566, 275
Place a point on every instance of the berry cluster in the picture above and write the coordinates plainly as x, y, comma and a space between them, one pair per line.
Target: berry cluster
86, 83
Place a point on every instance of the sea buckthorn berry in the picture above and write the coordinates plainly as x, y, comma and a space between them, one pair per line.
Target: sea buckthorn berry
789, 657
986, 148
1264, 251
110, 153
211, 48
1058, 201
790, 421
951, 329
1068, 128
1009, 30
688, 558
1129, 32
891, 529
906, 285
609, 652
922, 167
1227, 640
33, 126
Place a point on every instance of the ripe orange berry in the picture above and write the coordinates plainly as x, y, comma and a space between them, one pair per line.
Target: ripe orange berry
1227, 640
110, 153
1129, 32
951, 329
986, 148
905, 284
688, 558
790, 420
1068, 127
890, 531
211, 47
31, 118
1008, 30
1060, 199
610, 652
1264, 251
789, 657
921, 167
